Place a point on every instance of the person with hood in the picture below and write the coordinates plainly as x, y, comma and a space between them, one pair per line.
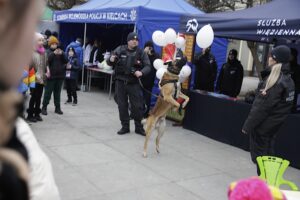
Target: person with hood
130, 64
231, 76
206, 70
272, 104
55, 75
71, 76
39, 60
148, 80
295, 70
77, 46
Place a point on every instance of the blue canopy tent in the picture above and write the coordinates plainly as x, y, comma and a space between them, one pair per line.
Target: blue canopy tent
277, 21
145, 15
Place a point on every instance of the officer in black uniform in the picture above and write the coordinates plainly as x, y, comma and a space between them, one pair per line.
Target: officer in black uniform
206, 70
130, 64
231, 76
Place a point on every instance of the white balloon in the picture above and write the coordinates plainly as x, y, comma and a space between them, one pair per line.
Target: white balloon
160, 72
180, 42
205, 36
158, 63
170, 36
158, 38
185, 71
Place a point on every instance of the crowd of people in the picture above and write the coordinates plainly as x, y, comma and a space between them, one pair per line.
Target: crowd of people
26, 172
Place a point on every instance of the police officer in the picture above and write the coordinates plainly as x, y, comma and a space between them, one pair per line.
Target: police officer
231, 76
273, 103
130, 64
206, 70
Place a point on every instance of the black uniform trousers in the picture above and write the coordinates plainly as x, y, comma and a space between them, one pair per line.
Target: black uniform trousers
132, 92
35, 100
71, 86
262, 144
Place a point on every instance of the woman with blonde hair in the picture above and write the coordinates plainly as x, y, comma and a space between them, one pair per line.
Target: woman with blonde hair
272, 104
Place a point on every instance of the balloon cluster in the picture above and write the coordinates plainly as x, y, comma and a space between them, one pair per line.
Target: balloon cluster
169, 39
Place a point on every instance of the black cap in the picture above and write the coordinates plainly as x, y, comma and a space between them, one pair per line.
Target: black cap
281, 54
233, 52
132, 36
149, 44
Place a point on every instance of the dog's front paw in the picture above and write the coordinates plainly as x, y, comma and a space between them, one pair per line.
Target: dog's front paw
145, 155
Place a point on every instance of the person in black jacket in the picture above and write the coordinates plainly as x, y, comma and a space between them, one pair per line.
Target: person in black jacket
130, 64
295, 69
272, 104
206, 71
148, 80
72, 69
231, 76
55, 75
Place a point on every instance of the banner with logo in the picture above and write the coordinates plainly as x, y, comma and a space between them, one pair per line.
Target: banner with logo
124, 16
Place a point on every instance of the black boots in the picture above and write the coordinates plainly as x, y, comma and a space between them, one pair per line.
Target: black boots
44, 110
123, 130
74, 102
58, 111
31, 118
139, 129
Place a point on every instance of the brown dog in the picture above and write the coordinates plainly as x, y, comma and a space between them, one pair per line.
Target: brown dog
170, 89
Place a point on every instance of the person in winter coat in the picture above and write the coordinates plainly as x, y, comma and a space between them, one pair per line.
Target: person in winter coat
272, 104
71, 76
55, 75
206, 71
295, 70
19, 165
231, 76
77, 46
130, 64
148, 80
39, 60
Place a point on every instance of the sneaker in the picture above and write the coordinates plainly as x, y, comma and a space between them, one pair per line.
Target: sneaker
44, 111
31, 119
58, 111
140, 131
68, 101
38, 118
123, 131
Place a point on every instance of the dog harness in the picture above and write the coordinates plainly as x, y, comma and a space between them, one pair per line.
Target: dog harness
174, 81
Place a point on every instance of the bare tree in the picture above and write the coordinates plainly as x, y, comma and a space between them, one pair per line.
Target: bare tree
64, 4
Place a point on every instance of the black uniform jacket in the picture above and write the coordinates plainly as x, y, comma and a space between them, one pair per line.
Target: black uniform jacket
269, 111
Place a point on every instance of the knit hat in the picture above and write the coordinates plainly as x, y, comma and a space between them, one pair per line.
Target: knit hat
39, 36
52, 40
149, 44
281, 54
233, 52
132, 36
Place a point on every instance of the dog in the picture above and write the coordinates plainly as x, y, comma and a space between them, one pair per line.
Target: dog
170, 91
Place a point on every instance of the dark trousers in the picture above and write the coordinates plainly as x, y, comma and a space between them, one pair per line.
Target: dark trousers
133, 93
55, 87
71, 86
35, 100
147, 99
262, 144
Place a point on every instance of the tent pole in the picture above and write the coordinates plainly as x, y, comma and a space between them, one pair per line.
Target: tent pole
84, 42
134, 29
